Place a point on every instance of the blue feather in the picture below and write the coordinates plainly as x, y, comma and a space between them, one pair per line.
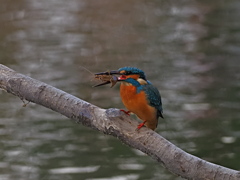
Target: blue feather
153, 95
133, 70
154, 98
135, 83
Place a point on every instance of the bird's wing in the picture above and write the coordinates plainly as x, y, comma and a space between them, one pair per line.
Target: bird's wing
154, 97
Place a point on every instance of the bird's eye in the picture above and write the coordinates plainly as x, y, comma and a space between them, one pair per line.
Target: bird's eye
127, 72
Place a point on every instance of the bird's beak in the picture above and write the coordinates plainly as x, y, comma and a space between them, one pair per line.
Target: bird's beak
108, 77
108, 73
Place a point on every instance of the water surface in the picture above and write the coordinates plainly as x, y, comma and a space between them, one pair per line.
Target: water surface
189, 51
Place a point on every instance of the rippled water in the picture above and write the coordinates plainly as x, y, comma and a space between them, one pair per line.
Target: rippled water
188, 49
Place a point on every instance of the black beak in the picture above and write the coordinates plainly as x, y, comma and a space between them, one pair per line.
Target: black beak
109, 73
107, 77
104, 83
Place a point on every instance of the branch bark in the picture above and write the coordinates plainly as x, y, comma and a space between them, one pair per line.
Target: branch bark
113, 122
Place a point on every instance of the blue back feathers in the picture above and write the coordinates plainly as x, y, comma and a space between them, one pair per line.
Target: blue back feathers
154, 98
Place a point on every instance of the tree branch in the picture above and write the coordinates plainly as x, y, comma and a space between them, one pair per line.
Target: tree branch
115, 123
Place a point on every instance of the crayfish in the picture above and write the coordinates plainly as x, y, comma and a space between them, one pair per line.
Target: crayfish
106, 78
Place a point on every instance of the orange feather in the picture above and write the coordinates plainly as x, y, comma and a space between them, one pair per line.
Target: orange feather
138, 104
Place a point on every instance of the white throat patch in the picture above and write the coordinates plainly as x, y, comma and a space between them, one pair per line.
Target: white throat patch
142, 81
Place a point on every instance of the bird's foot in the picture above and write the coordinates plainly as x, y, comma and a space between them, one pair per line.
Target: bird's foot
126, 112
140, 125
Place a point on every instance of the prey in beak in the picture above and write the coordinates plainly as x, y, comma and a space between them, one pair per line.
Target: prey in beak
107, 78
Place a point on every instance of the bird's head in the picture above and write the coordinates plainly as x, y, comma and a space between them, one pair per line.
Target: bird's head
130, 72
126, 73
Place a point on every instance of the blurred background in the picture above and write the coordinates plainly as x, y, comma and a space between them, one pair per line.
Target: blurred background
189, 50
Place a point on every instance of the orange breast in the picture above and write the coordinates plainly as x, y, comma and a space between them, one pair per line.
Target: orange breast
138, 104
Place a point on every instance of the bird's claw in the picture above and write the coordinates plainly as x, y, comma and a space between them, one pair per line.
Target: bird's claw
126, 112
140, 125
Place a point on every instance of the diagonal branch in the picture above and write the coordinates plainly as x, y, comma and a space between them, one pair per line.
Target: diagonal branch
115, 123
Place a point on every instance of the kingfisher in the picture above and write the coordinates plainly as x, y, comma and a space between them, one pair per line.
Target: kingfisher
138, 95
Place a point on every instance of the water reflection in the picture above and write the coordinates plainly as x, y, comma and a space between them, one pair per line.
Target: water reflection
70, 170
189, 50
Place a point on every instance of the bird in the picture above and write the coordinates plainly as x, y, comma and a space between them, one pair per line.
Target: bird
139, 96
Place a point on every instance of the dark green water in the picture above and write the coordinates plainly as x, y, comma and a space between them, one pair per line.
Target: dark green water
190, 50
